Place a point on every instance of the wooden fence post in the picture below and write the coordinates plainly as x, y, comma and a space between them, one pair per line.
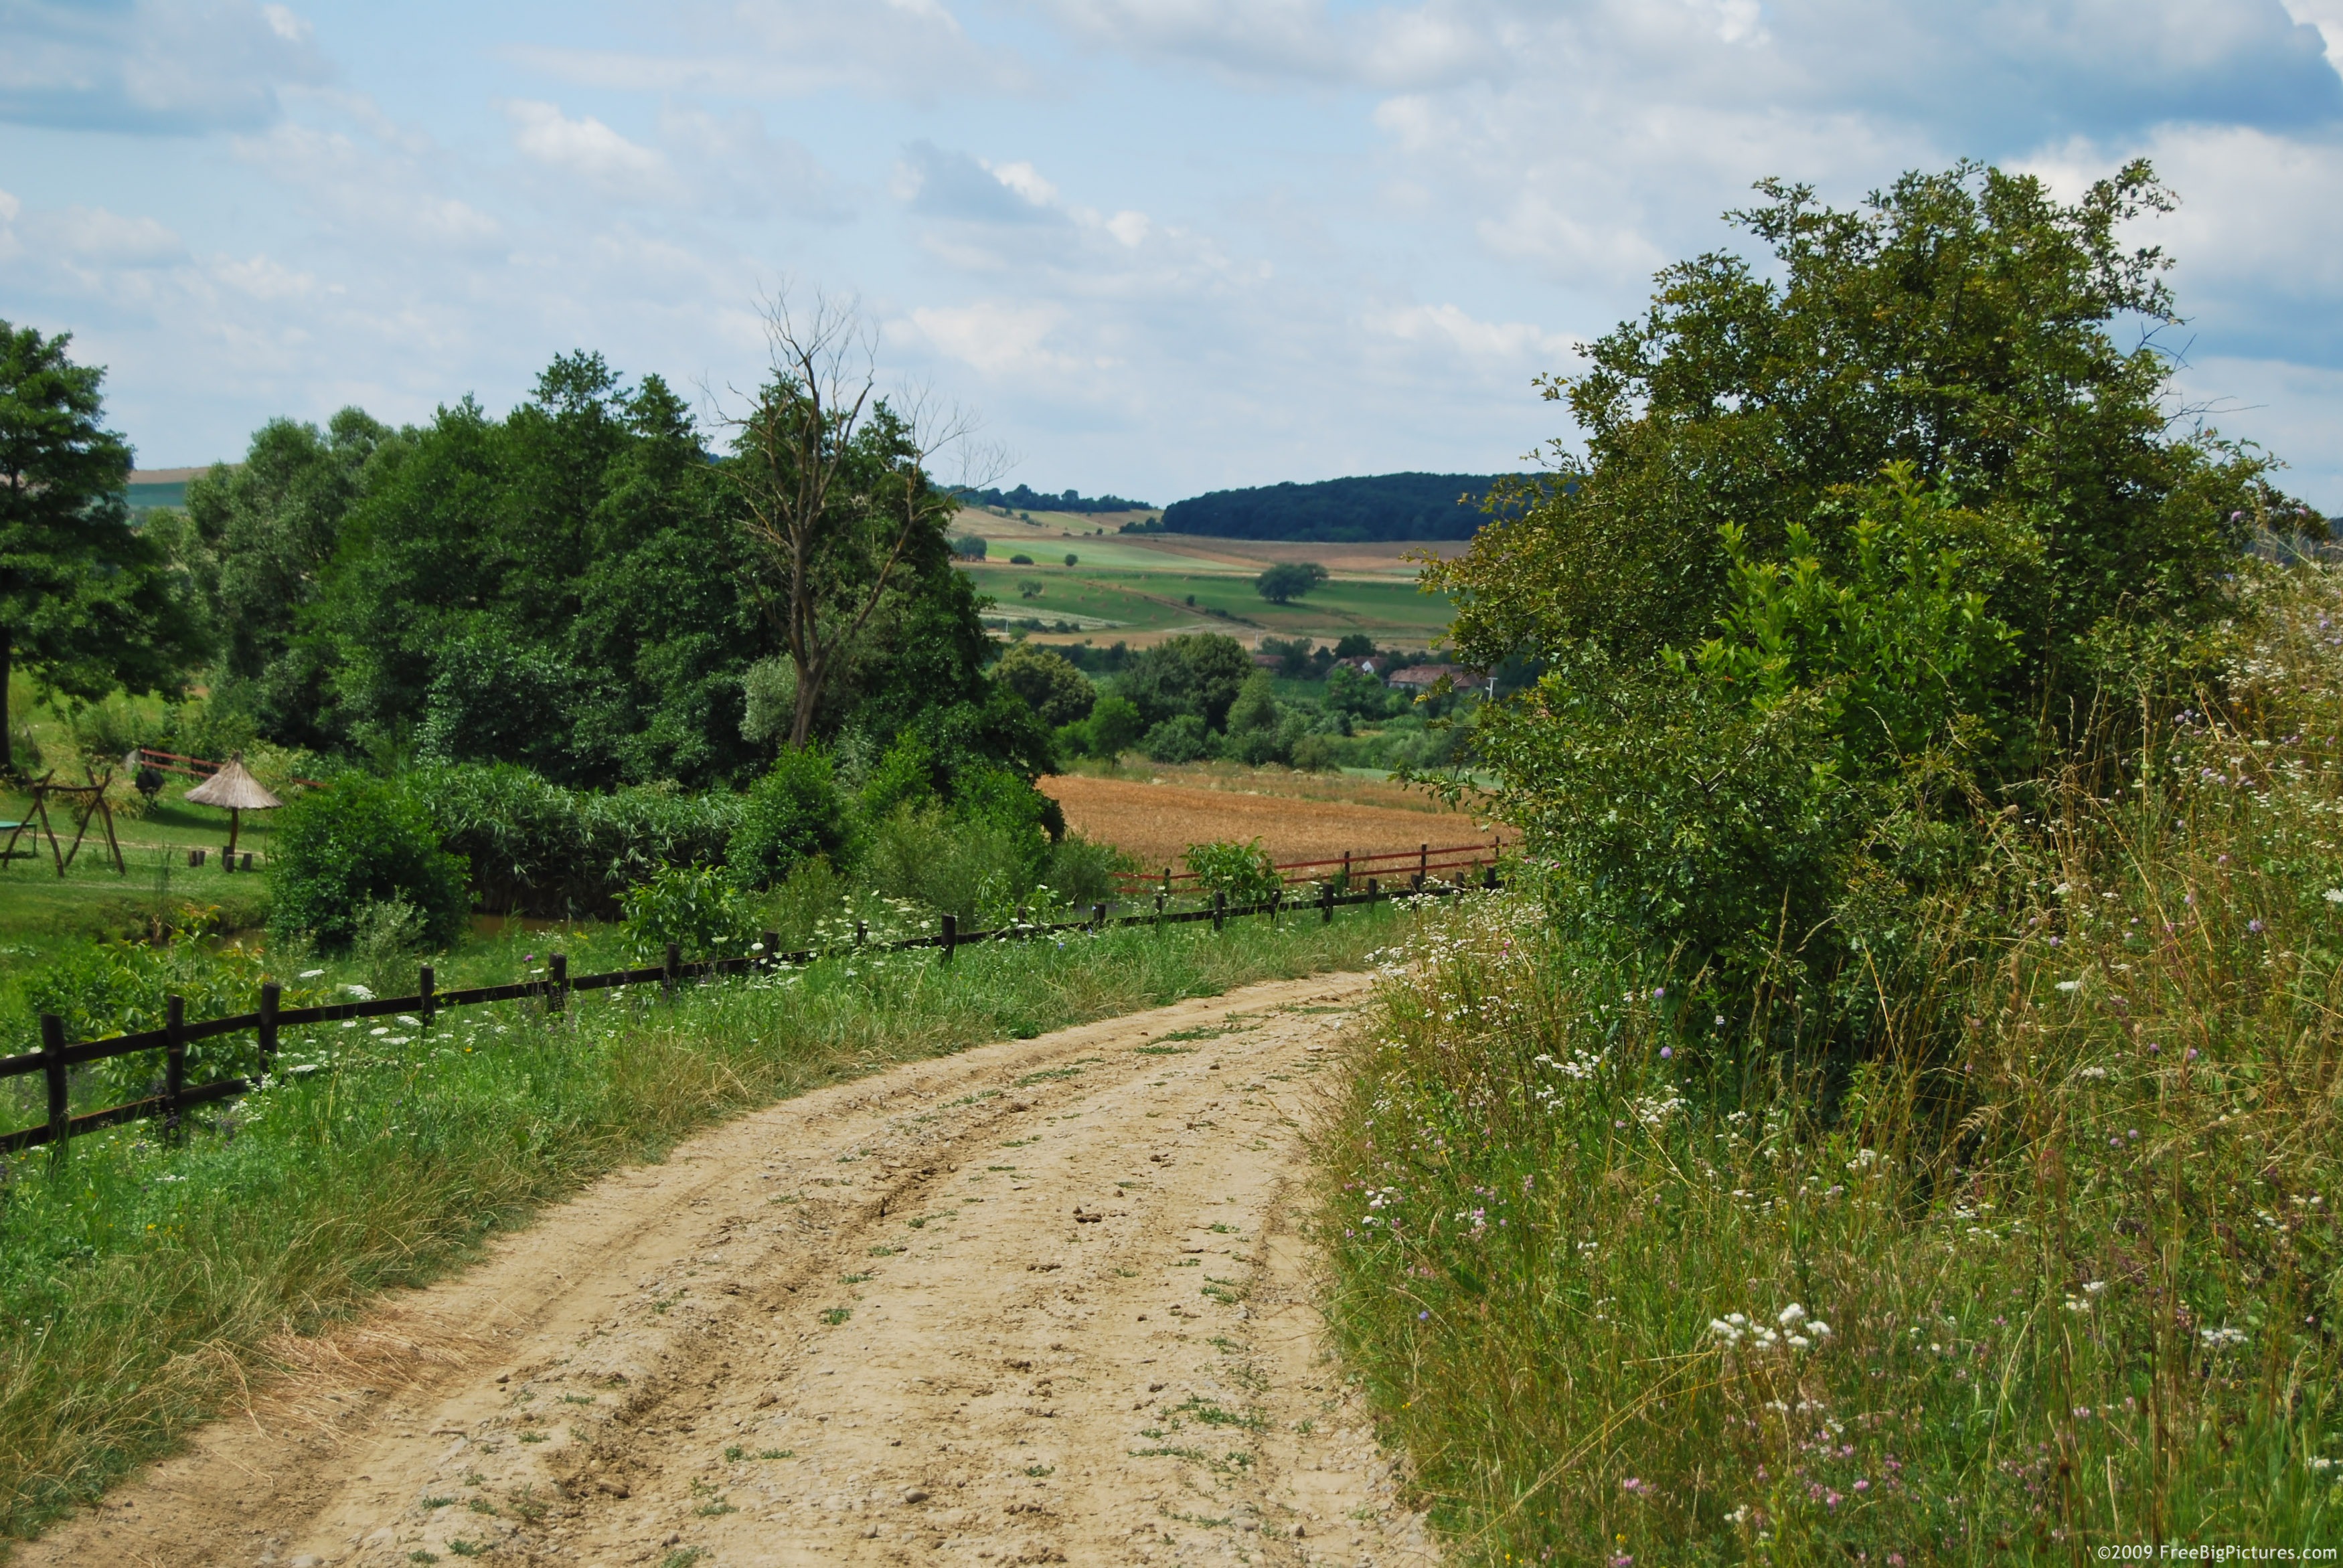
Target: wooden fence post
175, 1064
557, 982
1159, 911
951, 937
53, 1067
1098, 917
671, 962
1166, 881
425, 991
1220, 908
1423, 863
1346, 873
772, 949
861, 933
1326, 903
271, 994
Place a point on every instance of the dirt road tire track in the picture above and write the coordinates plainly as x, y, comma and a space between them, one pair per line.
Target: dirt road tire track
1039, 1301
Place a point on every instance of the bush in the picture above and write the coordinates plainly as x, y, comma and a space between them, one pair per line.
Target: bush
1315, 754
537, 848
1081, 872
1181, 739
118, 987
1243, 872
791, 814
975, 870
696, 908
359, 841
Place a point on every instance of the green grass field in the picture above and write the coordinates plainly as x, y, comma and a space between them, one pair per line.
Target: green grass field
1156, 600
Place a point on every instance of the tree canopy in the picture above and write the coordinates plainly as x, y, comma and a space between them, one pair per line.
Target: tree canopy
87, 601
1850, 544
1288, 580
1339, 511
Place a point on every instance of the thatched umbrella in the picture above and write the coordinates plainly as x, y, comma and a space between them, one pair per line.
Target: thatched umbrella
238, 790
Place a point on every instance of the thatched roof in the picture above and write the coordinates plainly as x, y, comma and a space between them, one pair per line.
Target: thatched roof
234, 788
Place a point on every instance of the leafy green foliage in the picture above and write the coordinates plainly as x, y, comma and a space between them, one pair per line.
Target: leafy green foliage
1243, 871
1846, 549
359, 841
1180, 738
1113, 726
1197, 675
1052, 687
536, 848
698, 908
87, 602
1288, 580
1339, 511
793, 813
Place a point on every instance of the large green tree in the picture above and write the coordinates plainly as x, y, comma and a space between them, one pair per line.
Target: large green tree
1965, 323
87, 602
272, 526
1851, 542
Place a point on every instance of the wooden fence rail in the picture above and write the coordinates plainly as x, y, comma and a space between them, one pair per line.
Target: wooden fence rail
1424, 860
57, 1056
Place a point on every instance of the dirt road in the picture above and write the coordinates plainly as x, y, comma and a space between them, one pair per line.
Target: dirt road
1040, 1302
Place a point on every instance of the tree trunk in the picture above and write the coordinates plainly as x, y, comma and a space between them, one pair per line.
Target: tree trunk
7, 743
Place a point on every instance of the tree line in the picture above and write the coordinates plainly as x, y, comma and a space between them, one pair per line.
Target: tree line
587, 585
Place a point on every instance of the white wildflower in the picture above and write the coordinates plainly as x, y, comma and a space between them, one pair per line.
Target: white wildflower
1791, 1316
310, 974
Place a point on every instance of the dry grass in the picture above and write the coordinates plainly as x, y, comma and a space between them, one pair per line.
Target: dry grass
1296, 816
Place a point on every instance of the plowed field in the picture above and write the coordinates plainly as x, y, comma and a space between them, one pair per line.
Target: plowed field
1157, 821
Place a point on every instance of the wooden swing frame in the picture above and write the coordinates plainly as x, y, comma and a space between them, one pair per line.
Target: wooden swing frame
89, 797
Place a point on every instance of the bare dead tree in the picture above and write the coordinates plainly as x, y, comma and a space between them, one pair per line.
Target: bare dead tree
834, 485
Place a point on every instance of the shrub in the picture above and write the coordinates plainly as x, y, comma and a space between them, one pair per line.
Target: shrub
976, 871
698, 908
791, 814
1243, 872
118, 987
360, 840
1181, 739
537, 848
1081, 872
1315, 754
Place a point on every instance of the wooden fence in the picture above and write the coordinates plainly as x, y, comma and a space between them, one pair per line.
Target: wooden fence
1423, 863
57, 1056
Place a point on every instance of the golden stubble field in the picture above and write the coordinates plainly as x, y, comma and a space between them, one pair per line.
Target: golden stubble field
1296, 817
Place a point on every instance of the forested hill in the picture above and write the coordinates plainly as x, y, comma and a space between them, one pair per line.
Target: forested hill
1339, 511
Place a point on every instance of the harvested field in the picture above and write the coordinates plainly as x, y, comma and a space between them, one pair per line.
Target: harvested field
1156, 822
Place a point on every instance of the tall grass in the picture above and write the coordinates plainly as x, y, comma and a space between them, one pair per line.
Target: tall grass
141, 1284
2057, 1270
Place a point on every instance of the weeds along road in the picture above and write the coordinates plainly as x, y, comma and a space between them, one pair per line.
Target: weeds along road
1040, 1302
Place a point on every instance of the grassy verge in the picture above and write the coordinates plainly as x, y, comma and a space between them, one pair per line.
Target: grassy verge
139, 1284
2060, 1274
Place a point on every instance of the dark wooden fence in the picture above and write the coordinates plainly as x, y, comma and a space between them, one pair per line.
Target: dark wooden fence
1458, 863
59, 1056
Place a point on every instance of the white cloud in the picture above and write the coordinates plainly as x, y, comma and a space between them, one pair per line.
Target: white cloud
584, 147
993, 337
171, 66
1453, 331
2327, 15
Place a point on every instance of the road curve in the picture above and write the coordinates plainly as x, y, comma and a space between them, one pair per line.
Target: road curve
1039, 1301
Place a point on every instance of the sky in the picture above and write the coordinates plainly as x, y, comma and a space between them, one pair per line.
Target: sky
1152, 247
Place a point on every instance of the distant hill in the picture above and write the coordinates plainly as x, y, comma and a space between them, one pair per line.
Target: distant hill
1025, 499
1339, 511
